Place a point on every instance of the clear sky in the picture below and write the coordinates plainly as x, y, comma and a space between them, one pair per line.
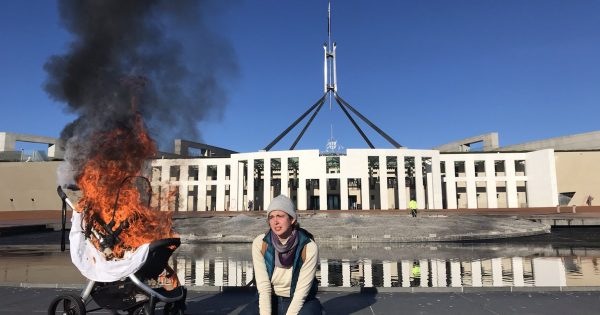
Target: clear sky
426, 72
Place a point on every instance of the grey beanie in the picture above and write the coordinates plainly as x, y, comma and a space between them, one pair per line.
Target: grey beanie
283, 203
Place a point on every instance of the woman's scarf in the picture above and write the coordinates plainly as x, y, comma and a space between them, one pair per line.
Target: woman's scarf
284, 254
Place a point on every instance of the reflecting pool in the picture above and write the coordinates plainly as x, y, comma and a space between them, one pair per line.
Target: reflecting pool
227, 268
564, 258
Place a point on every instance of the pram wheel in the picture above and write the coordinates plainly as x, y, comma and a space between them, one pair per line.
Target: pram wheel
142, 310
68, 304
172, 309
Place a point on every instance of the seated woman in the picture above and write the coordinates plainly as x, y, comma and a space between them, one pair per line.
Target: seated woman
285, 264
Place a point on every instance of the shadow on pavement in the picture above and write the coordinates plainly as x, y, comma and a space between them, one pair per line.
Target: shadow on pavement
230, 301
350, 303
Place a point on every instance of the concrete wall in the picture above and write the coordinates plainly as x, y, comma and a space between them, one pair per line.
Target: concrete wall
581, 141
542, 186
30, 185
579, 172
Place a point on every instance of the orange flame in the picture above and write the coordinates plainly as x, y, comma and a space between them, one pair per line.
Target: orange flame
119, 154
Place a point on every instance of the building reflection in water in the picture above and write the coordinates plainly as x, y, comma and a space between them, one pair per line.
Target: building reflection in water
231, 265
493, 272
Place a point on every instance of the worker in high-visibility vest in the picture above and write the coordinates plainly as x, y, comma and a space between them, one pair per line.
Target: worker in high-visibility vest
412, 205
415, 277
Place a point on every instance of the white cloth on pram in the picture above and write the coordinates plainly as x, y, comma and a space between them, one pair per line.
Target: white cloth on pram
93, 265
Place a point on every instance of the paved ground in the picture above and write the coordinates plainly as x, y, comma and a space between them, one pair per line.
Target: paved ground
36, 300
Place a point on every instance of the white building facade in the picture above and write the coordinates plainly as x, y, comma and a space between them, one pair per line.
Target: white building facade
361, 179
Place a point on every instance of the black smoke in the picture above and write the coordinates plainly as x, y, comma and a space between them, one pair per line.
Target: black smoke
163, 51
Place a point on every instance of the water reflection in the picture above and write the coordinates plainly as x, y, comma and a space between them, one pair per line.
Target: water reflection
400, 265
229, 266
496, 272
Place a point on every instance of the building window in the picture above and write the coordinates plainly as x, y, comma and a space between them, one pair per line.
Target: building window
332, 164
211, 172
565, 197
174, 173
480, 168
499, 168
193, 172
353, 182
459, 169
520, 168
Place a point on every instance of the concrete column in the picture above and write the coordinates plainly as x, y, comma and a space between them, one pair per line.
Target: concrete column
239, 183
497, 272
219, 273
450, 185
240, 273
424, 264
220, 182
323, 193
181, 269
302, 193
436, 191
267, 183
455, 280
364, 191
491, 191
471, 189
517, 271
183, 187
199, 280
405, 268
234, 185
511, 184
324, 273
430, 194
402, 202
383, 186
387, 274
476, 273
345, 273
440, 273
368, 273
419, 182
232, 279
202, 187
56, 151
7, 141
344, 193
250, 189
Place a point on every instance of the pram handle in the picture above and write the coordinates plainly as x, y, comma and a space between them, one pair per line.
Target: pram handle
63, 229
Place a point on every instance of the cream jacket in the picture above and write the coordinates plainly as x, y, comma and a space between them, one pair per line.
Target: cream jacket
282, 278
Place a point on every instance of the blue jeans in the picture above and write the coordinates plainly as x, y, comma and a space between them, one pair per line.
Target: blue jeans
280, 305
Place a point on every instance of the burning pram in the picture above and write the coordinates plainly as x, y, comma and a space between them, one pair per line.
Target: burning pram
134, 283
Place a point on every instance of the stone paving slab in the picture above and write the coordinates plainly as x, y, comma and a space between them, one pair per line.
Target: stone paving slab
16, 300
